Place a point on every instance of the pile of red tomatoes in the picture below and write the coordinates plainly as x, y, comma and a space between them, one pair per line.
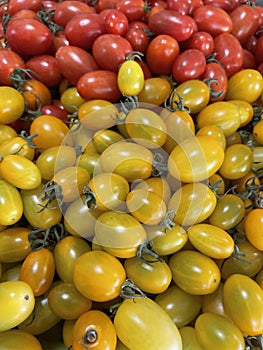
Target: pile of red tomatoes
131, 165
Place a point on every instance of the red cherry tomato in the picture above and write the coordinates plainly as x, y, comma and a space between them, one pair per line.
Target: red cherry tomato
134, 10
115, 22
14, 6
9, 60
202, 41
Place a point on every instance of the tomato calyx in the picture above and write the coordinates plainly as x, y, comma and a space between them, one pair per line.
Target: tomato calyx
50, 192
133, 55
174, 102
129, 290
28, 139
213, 93
39, 238
212, 59
46, 18
89, 198
20, 76
168, 221
146, 250
90, 337
254, 341
159, 165
129, 103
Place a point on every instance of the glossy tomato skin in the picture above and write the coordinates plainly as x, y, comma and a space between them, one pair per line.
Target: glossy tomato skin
245, 309
73, 62
28, 37
83, 29
90, 323
154, 91
11, 204
213, 20
133, 10
12, 104
245, 21
172, 23
138, 39
130, 78
99, 84
14, 239
218, 88
200, 40
194, 272
14, 6
116, 22
141, 321
252, 225
110, 50
189, 64
17, 303
17, 338
9, 60
105, 275
229, 52
161, 53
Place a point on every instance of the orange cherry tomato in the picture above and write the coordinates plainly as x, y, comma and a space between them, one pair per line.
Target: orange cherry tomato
253, 227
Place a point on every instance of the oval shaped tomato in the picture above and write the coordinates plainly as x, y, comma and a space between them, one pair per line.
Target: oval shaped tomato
148, 322
218, 331
14, 244
99, 84
189, 338
9, 60
181, 306
128, 159
195, 159
194, 272
252, 226
98, 275
243, 302
71, 100
73, 62
94, 329
245, 85
18, 145
20, 172
28, 37
7, 132
211, 240
16, 338
155, 91
38, 270
214, 132
17, 302
192, 203
104, 138
200, 40
11, 204
130, 78
12, 104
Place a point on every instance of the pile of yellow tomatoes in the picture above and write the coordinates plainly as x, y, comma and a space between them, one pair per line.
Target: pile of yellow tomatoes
133, 222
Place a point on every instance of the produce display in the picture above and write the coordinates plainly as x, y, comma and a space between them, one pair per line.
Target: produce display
131, 166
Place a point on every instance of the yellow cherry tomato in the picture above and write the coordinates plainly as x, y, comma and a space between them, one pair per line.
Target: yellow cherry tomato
11, 204
6, 133
258, 132
103, 138
16, 302
14, 244
213, 131
18, 339
18, 145
245, 119
20, 172
12, 104
141, 323
130, 78
155, 91
194, 272
189, 338
71, 99
195, 159
246, 85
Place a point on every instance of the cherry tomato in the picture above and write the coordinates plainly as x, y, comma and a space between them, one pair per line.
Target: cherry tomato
217, 331
237, 161
138, 39
110, 50
211, 240
252, 226
200, 40
148, 322
14, 7
189, 338
245, 85
71, 100
104, 138
83, 28
155, 91
11, 204
161, 53
32, 205
67, 302
17, 302
94, 329
20, 172
193, 203
214, 132
28, 37
151, 277
243, 302
194, 272
15, 240
12, 104
146, 128
116, 22
50, 131
73, 62
228, 212
6, 133
157, 185
38, 270
16, 338
119, 233
128, 159
98, 275
192, 160
99, 84
133, 10
130, 78
9, 60
181, 306
18, 145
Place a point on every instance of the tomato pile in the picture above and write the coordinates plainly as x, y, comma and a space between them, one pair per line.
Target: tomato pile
131, 165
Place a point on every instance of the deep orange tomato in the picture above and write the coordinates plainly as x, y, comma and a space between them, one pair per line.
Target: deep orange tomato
194, 272
98, 275
36, 94
94, 330
38, 270
253, 227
